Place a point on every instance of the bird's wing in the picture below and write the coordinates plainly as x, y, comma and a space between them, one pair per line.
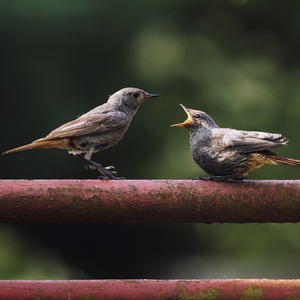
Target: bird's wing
250, 141
89, 126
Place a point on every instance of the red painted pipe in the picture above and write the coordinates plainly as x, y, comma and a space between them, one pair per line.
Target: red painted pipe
149, 201
150, 289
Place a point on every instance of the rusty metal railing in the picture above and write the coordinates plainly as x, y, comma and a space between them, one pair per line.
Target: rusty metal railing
96, 201
151, 289
149, 201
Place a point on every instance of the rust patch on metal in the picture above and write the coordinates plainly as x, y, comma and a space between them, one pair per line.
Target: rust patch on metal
149, 201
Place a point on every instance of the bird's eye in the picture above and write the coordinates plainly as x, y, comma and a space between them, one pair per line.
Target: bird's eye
197, 116
135, 95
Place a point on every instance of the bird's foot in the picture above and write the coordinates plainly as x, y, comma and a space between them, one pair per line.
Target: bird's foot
102, 177
220, 178
105, 171
110, 169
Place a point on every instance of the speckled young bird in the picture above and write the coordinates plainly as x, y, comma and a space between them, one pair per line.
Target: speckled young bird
228, 154
98, 129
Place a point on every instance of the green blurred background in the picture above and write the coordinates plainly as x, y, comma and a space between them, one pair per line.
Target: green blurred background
237, 60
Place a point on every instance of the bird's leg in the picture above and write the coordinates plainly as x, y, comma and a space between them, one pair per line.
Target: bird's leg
220, 178
102, 170
88, 156
108, 168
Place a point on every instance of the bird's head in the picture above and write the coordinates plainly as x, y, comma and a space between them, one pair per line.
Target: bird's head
196, 119
130, 98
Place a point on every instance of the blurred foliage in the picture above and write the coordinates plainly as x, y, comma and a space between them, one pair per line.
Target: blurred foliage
24, 258
237, 60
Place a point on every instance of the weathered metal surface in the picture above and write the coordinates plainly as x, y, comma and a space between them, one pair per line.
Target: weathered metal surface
150, 289
149, 201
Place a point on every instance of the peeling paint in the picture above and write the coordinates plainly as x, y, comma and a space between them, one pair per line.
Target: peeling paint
134, 201
185, 294
242, 289
88, 297
252, 293
132, 187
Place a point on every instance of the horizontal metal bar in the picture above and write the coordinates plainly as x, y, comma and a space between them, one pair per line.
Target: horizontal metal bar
106, 201
150, 289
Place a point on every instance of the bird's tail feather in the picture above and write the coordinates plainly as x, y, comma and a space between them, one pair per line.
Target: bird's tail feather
283, 159
40, 144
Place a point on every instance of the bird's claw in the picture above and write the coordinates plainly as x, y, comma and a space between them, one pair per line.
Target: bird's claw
220, 178
102, 177
109, 168
104, 171
113, 172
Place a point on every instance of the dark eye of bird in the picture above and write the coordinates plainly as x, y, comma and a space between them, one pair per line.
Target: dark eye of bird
136, 95
197, 116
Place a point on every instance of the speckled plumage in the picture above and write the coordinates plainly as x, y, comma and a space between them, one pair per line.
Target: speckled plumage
230, 153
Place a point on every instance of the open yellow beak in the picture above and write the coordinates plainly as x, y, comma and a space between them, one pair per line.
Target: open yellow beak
188, 121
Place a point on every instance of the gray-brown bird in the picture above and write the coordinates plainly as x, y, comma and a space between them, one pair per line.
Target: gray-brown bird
227, 153
98, 129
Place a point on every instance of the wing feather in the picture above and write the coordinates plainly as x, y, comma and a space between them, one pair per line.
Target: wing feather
85, 125
251, 141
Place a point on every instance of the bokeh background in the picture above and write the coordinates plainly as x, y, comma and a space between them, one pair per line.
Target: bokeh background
237, 60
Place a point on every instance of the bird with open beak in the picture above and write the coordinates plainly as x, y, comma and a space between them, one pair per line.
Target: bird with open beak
229, 154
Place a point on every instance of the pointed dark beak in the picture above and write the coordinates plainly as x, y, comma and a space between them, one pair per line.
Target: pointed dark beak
150, 96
